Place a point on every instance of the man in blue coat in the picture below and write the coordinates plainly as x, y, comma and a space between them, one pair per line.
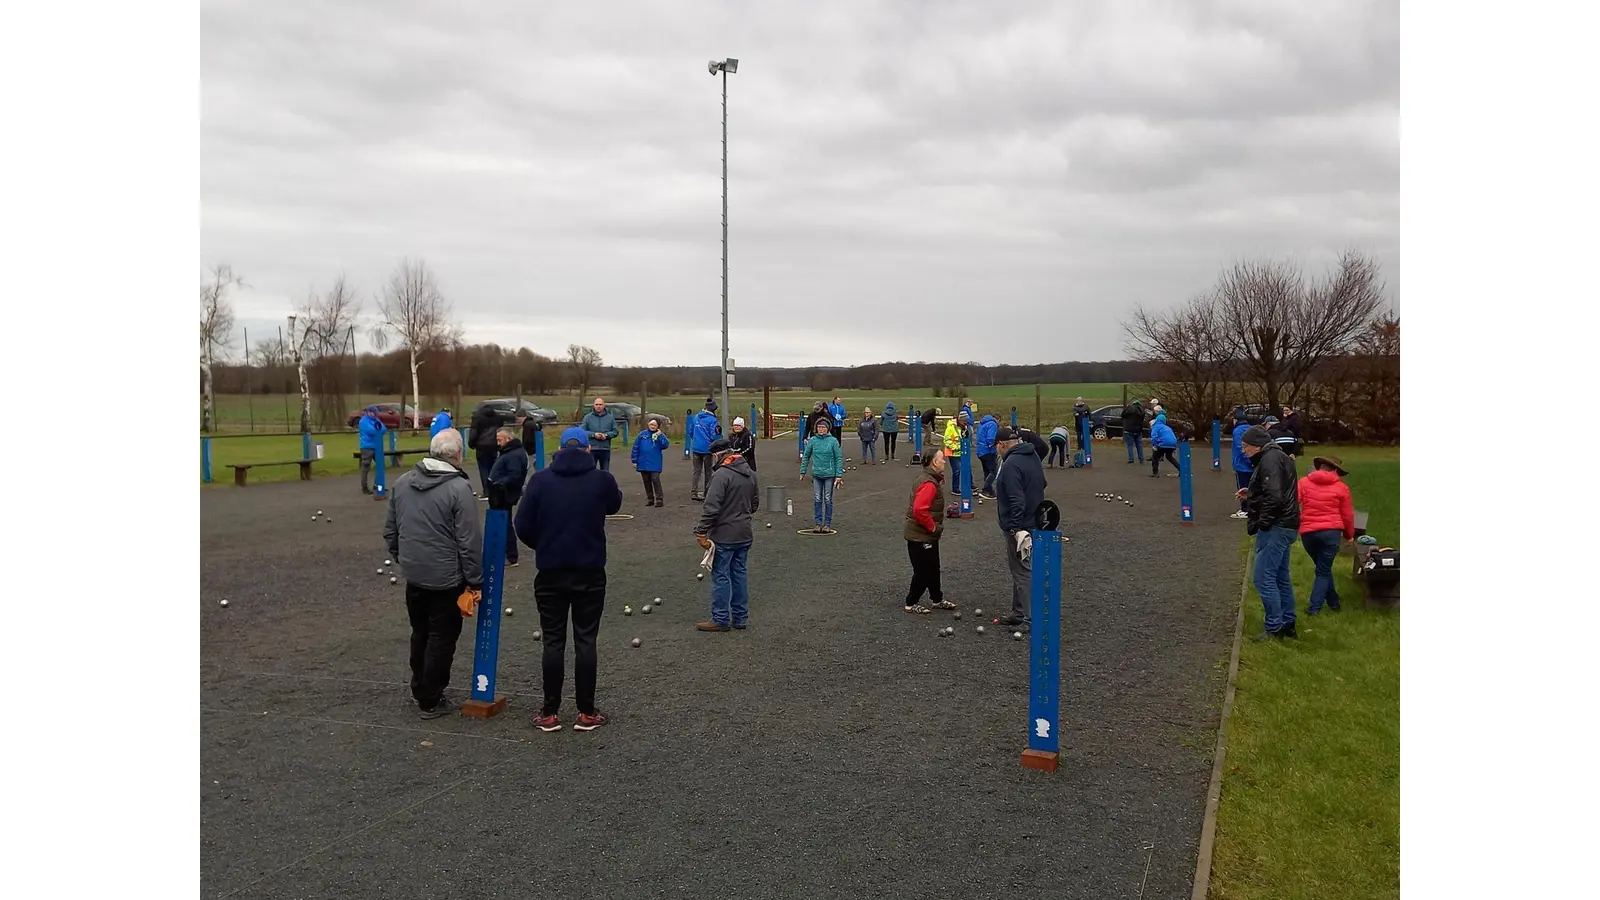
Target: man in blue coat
1242, 467
440, 422
1163, 441
984, 447
1020, 489
836, 409
704, 429
372, 429
563, 518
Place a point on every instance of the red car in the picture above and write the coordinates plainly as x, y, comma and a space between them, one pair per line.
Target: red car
389, 415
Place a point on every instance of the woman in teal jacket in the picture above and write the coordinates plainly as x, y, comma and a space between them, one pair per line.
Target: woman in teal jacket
891, 429
826, 461
1162, 443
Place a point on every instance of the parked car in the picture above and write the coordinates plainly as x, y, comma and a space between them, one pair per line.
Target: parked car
508, 411
389, 415
1106, 422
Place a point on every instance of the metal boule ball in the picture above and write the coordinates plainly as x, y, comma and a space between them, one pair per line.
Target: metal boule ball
627, 610
977, 612
380, 571
508, 610
393, 580
645, 609
224, 601
957, 617
388, 562
636, 642
980, 629
1016, 635
537, 634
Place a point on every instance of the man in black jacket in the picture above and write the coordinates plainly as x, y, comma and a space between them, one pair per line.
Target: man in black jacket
1272, 505
1018, 489
1080, 414
506, 479
1133, 430
485, 424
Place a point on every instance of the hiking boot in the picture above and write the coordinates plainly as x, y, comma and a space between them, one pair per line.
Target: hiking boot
590, 721
709, 626
740, 626
547, 723
1289, 632
442, 708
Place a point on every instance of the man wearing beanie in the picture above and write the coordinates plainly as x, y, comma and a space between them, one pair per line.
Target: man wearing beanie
731, 498
1272, 506
563, 518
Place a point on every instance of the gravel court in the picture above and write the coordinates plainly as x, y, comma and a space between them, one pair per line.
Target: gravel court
836, 746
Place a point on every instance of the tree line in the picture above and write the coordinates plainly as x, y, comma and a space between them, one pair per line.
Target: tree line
1267, 332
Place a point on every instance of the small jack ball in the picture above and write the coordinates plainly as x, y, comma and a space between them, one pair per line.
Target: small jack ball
224, 601
636, 642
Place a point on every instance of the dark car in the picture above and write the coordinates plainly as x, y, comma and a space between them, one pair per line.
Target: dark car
389, 415
510, 414
1106, 422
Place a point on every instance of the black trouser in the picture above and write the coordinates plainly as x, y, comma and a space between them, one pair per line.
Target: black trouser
435, 627
367, 455
888, 443
511, 536
652, 486
485, 463
580, 593
990, 468
1156, 453
1058, 447
924, 572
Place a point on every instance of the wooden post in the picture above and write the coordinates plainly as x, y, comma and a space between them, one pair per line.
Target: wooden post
644, 399
1038, 421
766, 408
519, 398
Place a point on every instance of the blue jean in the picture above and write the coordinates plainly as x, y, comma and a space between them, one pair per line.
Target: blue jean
1131, 438
822, 500
869, 452
730, 584
953, 466
1271, 577
1323, 548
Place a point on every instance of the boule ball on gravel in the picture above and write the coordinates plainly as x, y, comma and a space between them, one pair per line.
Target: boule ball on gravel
1016, 635
636, 642
980, 629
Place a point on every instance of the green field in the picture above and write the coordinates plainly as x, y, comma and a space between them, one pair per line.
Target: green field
1311, 793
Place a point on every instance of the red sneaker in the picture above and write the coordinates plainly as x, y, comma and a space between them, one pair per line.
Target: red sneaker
547, 723
588, 722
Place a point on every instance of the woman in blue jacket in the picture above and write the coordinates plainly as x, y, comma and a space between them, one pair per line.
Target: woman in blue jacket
1162, 443
648, 448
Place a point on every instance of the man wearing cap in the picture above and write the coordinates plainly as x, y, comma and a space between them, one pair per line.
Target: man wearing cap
731, 498
1019, 488
372, 429
704, 428
743, 442
602, 428
1273, 516
562, 517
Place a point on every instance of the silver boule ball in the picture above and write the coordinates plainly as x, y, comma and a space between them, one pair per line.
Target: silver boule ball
957, 616
1016, 635
645, 609
977, 612
380, 571
636, 642
537, 634
393, 580
980, 629
508, 610
224, 601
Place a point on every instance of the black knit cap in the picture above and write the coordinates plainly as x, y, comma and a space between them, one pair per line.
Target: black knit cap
1256, 436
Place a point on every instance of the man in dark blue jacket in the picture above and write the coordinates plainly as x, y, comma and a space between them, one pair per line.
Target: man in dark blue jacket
563, 518
1019, 489
372, 429
506, 480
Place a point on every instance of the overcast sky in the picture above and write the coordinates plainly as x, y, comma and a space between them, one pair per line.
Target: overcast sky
1026, 170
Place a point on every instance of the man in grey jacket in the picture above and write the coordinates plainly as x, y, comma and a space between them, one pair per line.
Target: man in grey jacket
434, 534
731, 498
602, 428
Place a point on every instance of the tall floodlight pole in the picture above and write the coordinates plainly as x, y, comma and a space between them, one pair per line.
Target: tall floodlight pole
726, 67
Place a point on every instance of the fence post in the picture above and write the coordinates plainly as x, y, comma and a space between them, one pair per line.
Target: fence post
1216, 445
966, 477
1044, 655
1014, 418
914, 420
305, 445
688, 431
1088, 442
486, 650
1185, 485
538, 448
380, 486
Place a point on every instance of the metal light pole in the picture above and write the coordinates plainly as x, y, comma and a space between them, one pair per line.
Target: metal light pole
726, 67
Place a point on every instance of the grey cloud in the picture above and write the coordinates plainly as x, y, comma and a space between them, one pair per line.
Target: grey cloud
1029, 171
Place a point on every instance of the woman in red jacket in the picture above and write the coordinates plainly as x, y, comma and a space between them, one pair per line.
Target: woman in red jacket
1326, 514
924, 525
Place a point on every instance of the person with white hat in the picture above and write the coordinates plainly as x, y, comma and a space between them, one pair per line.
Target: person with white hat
743, 442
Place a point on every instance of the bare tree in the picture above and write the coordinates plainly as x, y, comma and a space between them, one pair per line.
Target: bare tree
1192, 351
416, 314
585, 362
216, 334
1283, 328
329, 321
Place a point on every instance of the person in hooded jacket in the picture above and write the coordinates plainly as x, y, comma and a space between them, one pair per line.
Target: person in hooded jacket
955, 429
1327, 514
825, 460
1019, 489
704, 428
1163, 441
648, 453
562, 517
506, 481
983, 446
372, 429
1273, 507
440, 422
1242, 467
867, 431
836, 409
434, 533
890, 422
732, 498
485, 424
1133, 430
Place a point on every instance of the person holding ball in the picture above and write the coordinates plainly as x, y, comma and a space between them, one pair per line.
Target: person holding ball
826, 460
648, 449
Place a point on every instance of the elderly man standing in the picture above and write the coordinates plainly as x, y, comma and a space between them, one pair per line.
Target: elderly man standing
433, 531
1019, 488
563, 518
1273, 515
731, 498
602, 428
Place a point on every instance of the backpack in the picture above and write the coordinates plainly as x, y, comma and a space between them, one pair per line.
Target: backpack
1382, 566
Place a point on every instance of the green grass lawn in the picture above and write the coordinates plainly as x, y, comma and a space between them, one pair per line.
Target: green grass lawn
1311, 791
337, 459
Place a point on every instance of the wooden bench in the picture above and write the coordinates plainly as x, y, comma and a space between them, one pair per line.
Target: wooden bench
241, 472
398, 456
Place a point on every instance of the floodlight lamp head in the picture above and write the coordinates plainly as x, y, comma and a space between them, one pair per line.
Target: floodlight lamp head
712, 67
731, 64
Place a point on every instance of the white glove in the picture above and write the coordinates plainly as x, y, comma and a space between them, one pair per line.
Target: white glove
1024, 545
705, 561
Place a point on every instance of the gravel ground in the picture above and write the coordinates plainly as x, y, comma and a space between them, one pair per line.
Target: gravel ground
836, 748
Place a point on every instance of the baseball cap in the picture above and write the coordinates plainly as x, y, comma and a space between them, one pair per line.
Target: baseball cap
575, 437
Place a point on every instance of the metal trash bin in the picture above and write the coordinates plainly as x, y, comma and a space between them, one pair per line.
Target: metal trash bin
777, 497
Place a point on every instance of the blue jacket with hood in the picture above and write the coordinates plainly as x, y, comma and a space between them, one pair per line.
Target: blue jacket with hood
1161, 434
647, 450
1241, 463
891, 421
440, 423
703, 430
988, 428
372, 429
837, 411
562, 516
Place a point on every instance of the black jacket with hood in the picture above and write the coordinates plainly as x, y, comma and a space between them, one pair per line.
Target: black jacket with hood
433, 528
1133, 418
1019, 488
744, 444
731, 498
